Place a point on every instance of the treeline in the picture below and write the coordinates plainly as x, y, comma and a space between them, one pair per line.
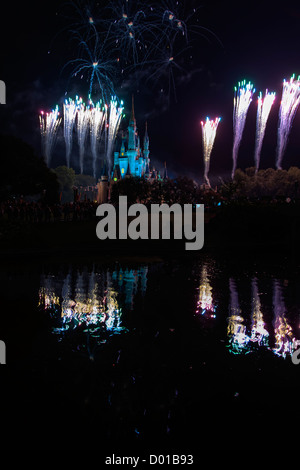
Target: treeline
269, 183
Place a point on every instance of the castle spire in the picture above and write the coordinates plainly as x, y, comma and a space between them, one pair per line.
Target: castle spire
165, 172
132, 116
132, 129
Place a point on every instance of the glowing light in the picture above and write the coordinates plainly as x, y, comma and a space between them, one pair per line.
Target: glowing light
264, 106
209, 129
98, 116
242, 99
205, 304
49, 124
284, 338
258, 332
289, 104
70, 109
115, 116
236, 330
83, 119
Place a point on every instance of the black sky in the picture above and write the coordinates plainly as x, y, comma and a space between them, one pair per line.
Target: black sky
260, 42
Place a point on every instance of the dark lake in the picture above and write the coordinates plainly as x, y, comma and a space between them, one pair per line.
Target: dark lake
187, 353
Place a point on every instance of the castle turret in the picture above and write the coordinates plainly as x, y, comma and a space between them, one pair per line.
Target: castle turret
132, 129
146, 144
165, 172
103, 188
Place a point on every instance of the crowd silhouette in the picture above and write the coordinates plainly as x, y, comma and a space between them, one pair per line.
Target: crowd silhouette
39, 212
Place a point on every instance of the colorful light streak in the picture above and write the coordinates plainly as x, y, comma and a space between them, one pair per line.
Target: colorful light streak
98, 118
289, 104
242, 99
259, 333
205, 304
209, 130
83, 120
70, 110
284, 338
49, 124
115, 116
264, 106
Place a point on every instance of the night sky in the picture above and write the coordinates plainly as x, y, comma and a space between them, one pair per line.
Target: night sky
256, 41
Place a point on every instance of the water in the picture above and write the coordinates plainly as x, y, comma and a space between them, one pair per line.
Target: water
151, 353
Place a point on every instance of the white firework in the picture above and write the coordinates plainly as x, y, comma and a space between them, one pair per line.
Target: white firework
242, 99
264, 106
209, 129
289, 104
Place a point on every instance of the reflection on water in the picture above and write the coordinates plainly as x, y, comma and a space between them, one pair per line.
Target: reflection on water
91, 299
284, 338
242, 341
259, 333
205, 305
248, 330
95, 301
236, 330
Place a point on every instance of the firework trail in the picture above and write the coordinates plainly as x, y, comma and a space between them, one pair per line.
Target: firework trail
83, 119
70, 110
264, 106
98, 117
289, 104
282, 329
95, 65
49, 124
258, 332
242, 99
115, 116
209, 129
129, 40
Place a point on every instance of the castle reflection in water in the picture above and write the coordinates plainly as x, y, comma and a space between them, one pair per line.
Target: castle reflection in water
91, 299
279, 332
96, 299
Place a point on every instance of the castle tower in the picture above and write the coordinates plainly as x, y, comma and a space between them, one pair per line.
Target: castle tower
132, 140
132, 129
146, 144
165, 172
103, 188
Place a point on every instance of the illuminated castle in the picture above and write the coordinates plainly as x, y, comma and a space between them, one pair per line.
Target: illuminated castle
132, 160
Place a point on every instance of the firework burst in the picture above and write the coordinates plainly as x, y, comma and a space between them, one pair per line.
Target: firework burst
127, 41
70, 110
49, 124
115, 116
98, 118
83, 120
289, 104
264, 106
209, 129
242, 99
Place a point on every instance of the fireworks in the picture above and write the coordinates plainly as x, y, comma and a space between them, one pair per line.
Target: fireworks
70, 110
289, 104
49, 124
264, 106
242, 99
83, 119
95, 66
126, 41
209, 129
115, 116
98, 117
93, 118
